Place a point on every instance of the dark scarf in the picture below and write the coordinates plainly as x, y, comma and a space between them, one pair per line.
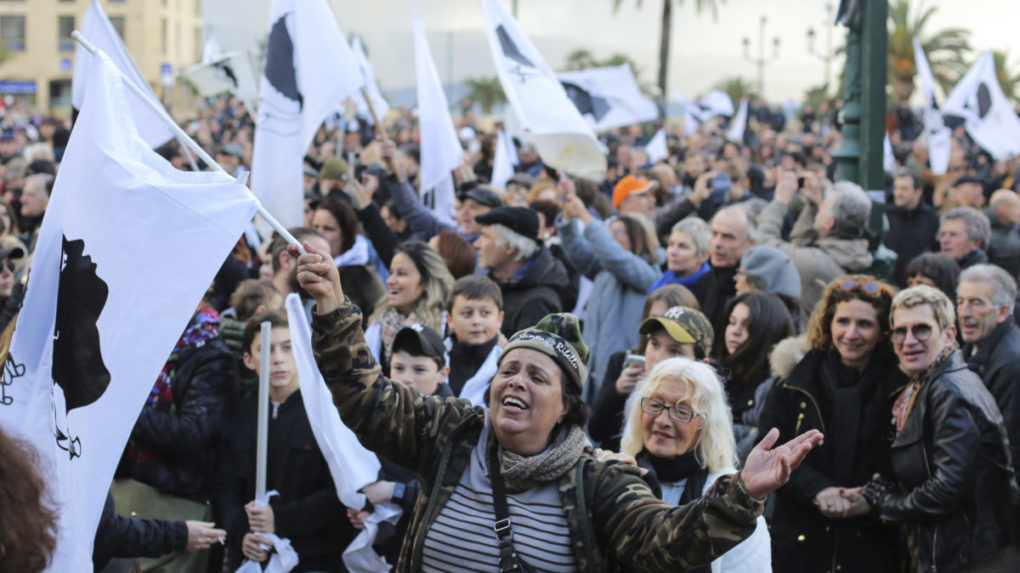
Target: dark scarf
674, 470
465, 360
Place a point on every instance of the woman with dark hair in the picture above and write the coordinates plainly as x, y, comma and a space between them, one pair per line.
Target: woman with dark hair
458, 254
845, 385
524, 467
938, 270
755, 322
338, 222
27, 523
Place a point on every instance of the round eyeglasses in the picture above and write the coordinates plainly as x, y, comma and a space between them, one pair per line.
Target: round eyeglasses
678, 412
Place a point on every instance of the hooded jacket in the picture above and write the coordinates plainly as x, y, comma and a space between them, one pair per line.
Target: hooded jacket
819, 259
526, 300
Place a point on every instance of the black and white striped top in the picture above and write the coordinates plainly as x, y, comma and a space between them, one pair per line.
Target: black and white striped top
462, 538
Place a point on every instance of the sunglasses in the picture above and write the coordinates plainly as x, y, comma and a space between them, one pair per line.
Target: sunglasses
922, 332
7, 264
870, 287
678, 412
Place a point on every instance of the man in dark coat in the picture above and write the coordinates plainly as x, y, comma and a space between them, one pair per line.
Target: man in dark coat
529, 276
964, 233
733, 232
1004, 246
913, 224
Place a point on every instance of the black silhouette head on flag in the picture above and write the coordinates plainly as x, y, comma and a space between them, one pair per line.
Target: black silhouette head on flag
78, 366
585, 102
981, 102
280, 61
510, 49
227, 72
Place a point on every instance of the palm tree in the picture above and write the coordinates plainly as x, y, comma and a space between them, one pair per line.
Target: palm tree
1009, 78
946, 49
580, 59
486, 92
666, 24
737, 88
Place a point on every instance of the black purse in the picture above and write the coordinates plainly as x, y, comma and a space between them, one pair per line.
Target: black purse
509, 560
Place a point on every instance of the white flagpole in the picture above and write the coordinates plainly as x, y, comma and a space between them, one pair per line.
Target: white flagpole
262, 438
190, 144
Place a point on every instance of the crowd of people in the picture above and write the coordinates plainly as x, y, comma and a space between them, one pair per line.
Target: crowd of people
577, 375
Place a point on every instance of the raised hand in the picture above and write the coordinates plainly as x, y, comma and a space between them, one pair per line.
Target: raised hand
768, 468
786, 185
318, 275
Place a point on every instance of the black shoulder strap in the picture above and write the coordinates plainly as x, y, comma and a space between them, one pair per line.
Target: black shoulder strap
505, 535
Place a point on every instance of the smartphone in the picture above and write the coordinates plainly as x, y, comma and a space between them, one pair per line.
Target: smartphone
634, 359
721, 185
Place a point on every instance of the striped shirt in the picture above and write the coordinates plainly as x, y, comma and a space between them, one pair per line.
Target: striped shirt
462, 539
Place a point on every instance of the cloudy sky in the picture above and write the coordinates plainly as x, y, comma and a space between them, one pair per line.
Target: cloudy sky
703, 51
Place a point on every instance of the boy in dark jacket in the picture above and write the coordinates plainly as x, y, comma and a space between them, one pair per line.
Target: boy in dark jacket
475, 317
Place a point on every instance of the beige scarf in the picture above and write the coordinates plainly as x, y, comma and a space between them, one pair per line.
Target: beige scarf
522, 473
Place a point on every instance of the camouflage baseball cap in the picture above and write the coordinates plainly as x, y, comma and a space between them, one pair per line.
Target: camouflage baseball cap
558, 336
683, 325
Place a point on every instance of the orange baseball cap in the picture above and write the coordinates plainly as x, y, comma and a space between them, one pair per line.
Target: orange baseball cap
630, 185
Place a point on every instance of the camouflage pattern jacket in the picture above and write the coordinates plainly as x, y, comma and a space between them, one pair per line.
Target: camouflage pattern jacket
614, 518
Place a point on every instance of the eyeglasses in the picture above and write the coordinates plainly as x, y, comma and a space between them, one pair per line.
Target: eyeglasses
870, 287
7, 264
678, 412
922, 332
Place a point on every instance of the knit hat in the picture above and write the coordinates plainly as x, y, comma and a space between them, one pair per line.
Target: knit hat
520, 220
772, 270
630, 185
684, 325
335, 169
558, 336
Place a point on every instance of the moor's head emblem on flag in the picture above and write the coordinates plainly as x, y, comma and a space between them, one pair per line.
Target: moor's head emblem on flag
78, 366
981, 102
586, 103
280, 61
510, 49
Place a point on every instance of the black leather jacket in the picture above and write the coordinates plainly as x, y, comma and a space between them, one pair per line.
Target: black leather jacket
951, 460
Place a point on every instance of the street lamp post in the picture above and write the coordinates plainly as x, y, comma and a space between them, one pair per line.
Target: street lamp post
761, 60
826, 56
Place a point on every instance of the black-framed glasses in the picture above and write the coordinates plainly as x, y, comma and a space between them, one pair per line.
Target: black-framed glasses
678, 412
922, 332
870, 287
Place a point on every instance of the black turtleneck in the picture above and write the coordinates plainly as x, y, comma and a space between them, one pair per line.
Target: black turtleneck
465, 360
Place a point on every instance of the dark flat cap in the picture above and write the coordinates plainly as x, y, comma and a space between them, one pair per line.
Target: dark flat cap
482, 195
520, 220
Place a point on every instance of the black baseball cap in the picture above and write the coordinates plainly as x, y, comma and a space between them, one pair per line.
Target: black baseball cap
420, 340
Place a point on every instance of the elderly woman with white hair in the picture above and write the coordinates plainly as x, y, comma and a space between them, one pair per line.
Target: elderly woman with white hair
680, 428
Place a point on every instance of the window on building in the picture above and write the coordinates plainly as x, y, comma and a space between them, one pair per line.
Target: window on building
65, 25
118, 24
12, 32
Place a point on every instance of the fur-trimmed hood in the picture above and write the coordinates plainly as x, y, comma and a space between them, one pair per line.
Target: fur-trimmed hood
787, 354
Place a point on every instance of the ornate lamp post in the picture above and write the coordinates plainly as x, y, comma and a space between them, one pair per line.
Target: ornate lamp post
761, 60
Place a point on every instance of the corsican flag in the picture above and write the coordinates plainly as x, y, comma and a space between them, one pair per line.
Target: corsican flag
441, 151
657, 149
350, 464
126, 250
712, 104
935, 130
310, 70
211, 50
368, 74
739, 124
988, 115
563, 139
504, 161
231, 73
98, 30
608, 97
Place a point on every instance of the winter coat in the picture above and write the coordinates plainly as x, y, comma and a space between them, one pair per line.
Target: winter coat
307, 510
818, 259
714, 291
911, 232
605, 426
119, 536
975, 257
204, 391
1004, 245
951, 460
537, 293
424, 224
855, 448
621, 281
996, 363
613, 518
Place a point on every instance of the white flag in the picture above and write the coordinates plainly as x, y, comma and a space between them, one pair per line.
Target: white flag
656, 148
713, 104
935, 130
98, 30
988, 115
350, 464
441, 151
368, 74
231, 73
211, 51
561, 136
503, 163
608, 97
310, 70
127, 247
691, 122
888, 159
739, 124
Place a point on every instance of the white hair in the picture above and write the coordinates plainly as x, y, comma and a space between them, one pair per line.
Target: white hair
997, 277
506, 239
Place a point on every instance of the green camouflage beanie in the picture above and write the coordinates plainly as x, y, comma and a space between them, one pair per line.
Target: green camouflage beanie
558, 336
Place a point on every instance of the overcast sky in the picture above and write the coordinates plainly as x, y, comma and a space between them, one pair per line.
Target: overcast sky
703, 51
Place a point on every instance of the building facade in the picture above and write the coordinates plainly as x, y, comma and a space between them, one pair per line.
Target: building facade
163, 37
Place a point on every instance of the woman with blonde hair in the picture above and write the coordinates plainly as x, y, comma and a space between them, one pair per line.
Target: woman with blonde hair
679, 427
416, 292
